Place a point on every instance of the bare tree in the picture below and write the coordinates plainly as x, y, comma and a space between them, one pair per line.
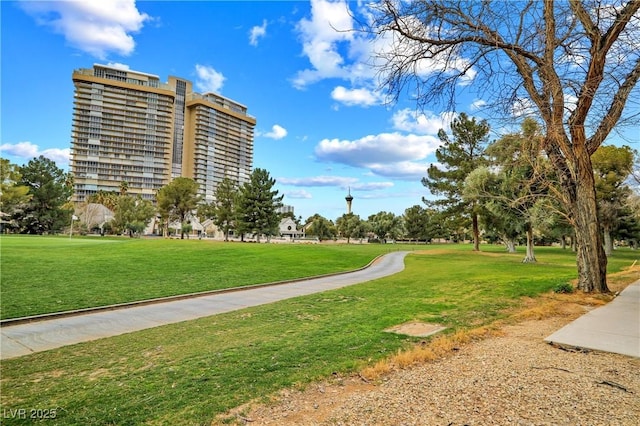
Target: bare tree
574, 63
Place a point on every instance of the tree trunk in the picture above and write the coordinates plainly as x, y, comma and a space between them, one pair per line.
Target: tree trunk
511, 245
608, 242
591, 258
579, 198
476, 232
530, 257
563, 242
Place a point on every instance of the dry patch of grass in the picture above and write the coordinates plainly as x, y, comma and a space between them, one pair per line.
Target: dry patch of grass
552, 304
619, 280
435, 252
453, 250
437, 348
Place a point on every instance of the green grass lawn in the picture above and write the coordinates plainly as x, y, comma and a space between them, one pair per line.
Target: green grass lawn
189, 372
52, 274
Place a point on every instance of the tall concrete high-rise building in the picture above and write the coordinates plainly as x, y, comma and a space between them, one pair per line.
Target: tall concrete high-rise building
130, 127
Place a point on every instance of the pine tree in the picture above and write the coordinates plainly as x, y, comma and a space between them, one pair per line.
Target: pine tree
458, 157
50, 189
258, 204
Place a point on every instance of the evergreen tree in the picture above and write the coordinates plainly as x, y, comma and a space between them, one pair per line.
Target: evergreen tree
458, 158
628, 226
258, 204
415, 220
419, 223
50, 189
612, 166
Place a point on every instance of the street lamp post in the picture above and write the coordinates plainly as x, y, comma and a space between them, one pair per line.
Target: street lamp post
73, 217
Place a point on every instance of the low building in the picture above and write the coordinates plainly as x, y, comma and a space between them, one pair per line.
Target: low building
288, 228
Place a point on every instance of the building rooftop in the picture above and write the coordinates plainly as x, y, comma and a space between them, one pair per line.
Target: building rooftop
113, 67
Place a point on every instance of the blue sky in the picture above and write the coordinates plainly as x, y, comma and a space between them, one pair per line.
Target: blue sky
322, 126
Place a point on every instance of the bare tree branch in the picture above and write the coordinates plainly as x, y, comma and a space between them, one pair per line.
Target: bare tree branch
614, 112
600, 47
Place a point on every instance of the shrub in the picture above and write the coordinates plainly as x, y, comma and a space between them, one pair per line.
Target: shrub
564, 288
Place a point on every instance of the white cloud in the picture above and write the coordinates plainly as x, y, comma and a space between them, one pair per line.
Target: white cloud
335, 50
570, 103
60, 156
350, 97
428, 123
340, 181
477, 104
298, 194
119, 66
523, 107
20, 149
403, 170
321, 36
208, 79
391, 155
277, 132
28, 151
376, 149
371, 186
95, 27
257, 33
469, 74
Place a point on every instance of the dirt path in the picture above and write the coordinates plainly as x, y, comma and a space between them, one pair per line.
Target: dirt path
511, 377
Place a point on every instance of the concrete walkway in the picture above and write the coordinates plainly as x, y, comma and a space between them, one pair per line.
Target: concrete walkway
23, 339
614, 327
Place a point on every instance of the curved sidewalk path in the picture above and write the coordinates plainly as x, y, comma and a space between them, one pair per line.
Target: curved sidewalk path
23, 339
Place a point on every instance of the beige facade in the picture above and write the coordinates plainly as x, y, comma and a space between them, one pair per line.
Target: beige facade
130, 127
218, 141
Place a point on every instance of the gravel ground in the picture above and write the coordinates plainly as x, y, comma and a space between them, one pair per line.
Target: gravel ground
515, 378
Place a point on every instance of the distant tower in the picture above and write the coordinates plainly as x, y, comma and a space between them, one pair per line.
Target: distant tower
349, 199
